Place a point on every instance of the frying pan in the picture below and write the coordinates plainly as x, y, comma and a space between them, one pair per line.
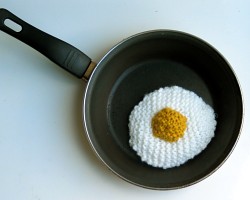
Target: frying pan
134, 67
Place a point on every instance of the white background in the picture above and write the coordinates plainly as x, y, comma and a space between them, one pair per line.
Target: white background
44, 153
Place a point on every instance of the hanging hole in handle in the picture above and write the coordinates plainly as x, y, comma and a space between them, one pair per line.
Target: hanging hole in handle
13, 25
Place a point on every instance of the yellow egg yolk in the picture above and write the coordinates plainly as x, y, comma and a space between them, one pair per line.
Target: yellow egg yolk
169, 125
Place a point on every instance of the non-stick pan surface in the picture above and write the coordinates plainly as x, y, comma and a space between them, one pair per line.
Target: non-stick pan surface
142, 64
135, 67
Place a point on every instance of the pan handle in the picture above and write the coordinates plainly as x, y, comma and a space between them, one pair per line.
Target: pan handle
58, 51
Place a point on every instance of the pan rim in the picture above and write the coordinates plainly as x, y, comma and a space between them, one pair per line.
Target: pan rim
85, 105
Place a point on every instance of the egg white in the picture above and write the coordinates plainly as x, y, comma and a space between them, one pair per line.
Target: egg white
156, 152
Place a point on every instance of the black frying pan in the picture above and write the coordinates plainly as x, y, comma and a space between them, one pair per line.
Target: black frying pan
134, 67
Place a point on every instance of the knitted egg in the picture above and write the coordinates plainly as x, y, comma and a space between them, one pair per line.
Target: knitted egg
170, 126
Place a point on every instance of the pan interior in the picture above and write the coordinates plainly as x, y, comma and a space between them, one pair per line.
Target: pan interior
141, 65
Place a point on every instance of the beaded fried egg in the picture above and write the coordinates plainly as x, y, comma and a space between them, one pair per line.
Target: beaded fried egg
170, 126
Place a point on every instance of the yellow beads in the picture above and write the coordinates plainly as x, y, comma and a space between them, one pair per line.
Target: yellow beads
169, 125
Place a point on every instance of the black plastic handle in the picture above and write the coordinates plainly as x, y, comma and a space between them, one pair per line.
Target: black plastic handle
58, 51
